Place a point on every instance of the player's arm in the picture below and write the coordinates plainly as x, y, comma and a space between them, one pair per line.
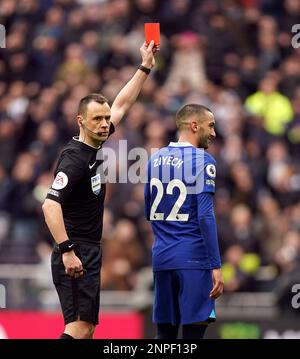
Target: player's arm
147, 194
131, 90
207, 224
147, 199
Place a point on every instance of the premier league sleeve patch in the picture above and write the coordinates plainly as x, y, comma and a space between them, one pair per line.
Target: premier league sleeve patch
209, 178
60, 181
211, 170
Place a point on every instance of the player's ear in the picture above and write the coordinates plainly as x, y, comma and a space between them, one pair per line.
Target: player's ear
194, 126
79, 120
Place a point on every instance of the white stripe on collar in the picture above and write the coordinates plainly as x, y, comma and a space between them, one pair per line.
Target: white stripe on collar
76, 138
180, 144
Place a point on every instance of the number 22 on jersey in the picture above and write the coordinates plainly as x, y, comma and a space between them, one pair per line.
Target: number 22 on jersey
173, 215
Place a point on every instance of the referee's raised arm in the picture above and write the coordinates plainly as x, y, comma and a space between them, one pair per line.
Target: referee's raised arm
131, 90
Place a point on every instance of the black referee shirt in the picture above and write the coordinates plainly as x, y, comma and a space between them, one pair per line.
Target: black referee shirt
77, 187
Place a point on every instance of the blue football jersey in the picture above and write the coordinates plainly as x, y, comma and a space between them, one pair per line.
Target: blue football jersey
178, 175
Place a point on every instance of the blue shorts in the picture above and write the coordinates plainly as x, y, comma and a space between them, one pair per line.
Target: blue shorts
182, 296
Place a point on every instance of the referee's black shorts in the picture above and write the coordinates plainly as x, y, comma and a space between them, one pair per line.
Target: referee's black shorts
79, 298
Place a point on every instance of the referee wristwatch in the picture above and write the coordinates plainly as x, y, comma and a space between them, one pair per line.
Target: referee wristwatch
147, 70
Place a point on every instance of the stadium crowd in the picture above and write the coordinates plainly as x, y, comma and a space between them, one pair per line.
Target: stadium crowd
233, 56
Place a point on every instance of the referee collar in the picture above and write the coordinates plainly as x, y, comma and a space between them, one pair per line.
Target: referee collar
76, 138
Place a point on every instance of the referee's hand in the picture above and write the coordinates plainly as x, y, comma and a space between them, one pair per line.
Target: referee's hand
73, 265
147, 53
218, 284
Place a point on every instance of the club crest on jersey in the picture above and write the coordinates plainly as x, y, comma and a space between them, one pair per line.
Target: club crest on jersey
96, 184
60, 181
211, 170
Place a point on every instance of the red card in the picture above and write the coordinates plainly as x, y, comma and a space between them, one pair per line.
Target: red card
152, 32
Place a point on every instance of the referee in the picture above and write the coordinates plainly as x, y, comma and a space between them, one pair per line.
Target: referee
73, 208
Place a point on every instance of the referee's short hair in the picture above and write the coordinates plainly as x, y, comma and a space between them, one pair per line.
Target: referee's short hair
185, 114
96, 97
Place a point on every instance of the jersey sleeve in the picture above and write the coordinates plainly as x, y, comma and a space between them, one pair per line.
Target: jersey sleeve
67, 176
147, 196
210, 172
208, 228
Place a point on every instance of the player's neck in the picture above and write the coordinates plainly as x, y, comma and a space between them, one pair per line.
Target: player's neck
187, 138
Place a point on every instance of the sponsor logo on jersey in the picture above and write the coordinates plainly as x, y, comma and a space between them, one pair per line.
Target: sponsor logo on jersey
96, 184
211, 170
61, 180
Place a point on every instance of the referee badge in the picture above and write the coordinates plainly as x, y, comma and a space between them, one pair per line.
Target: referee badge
96, 184
60, 181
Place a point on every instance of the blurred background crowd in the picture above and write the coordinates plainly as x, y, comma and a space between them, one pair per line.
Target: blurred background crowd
233, 56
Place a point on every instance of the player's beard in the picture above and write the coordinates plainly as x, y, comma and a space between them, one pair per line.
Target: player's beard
203, 142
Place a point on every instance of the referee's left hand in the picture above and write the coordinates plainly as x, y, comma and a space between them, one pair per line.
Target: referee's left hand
218, 284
